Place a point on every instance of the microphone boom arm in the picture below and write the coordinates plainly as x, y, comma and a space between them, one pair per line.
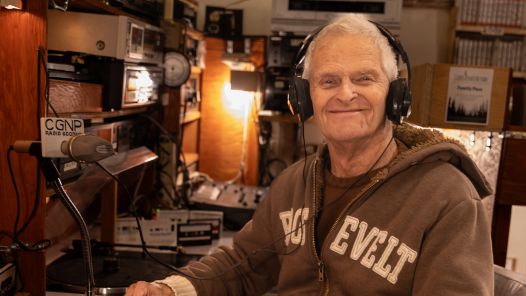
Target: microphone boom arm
52, 176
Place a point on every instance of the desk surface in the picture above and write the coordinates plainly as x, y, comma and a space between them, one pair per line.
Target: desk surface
226, 239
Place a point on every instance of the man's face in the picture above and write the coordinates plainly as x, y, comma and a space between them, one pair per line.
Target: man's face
348, 87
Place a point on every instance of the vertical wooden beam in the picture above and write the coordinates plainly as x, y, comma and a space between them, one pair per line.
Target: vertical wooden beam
22, 33
172, 110
500, 232
109, 197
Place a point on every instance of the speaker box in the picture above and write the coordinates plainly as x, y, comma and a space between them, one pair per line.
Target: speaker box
224, 23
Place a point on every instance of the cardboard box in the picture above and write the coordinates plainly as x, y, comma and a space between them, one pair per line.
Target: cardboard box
432, 100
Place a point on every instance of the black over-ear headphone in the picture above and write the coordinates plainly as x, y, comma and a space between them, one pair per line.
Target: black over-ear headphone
398, 100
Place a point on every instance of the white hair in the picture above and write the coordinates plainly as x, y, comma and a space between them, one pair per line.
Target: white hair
356, 24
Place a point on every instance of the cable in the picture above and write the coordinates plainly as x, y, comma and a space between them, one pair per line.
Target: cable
36, 203
17, 194
302, 126
312, 217
159, 126
16, 231
134, 213
138, 185
174, 187
62, 8
41, 60
265, 248
180, 160
265, 133
34, 247
143, 242
46, 96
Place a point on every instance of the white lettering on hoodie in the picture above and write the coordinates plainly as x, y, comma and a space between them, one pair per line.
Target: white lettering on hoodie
293, 227
370, 240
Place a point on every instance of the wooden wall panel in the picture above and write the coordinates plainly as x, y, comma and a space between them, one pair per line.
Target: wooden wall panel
512, 182
22, 32
222, 120
257, 56
190, 140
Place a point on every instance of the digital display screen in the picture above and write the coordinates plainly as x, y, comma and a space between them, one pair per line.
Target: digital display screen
337, 6
136, 41
279, 84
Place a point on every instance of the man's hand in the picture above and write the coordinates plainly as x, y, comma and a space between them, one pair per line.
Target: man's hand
148, 289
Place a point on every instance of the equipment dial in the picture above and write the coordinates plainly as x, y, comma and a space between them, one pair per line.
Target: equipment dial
177, 69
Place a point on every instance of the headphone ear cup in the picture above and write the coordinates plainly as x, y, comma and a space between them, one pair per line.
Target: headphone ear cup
398, 100
293, 97
299, 98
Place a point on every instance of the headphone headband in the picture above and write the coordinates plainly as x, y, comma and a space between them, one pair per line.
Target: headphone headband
396, 45
302, 52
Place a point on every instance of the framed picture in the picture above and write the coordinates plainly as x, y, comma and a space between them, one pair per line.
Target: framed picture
469, 95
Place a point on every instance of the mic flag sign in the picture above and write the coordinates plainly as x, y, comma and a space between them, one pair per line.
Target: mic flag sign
54, 131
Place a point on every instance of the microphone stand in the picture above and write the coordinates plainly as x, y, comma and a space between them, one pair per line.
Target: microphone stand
103, 148
53, 176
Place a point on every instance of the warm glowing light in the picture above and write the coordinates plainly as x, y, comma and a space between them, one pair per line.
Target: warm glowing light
140, 86
11, 4
237, 102
144, 80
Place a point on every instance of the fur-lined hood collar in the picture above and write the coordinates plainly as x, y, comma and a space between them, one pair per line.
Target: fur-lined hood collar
427, 145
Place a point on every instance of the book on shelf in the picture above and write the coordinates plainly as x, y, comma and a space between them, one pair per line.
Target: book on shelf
497, 52
508, 13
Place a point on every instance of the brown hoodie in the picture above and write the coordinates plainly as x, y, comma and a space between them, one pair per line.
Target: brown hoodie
417, 228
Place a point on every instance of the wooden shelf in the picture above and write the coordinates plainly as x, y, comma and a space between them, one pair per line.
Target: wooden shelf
194, 34
519, 74
190, 116
266, 115
516, 128
196, 70
107, 114
491, 30
192, 3
96, 6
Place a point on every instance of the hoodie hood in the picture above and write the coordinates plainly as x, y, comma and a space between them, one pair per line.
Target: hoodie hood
425, 145
428, 145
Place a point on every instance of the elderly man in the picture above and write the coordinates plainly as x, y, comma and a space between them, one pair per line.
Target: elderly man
381, 209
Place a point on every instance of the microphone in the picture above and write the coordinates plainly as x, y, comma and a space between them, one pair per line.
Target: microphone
87, 148
82, 148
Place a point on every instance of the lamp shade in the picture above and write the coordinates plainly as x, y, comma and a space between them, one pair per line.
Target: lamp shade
244, 80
